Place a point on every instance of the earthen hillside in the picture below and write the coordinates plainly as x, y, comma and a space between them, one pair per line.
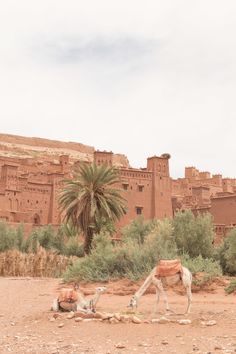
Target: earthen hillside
45, 149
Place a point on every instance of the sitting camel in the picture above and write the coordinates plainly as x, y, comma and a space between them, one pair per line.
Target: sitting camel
72, 299
158, 280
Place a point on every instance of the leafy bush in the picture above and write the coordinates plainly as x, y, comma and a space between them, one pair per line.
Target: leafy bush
7, 237
73, 247
11, 238
161, 241
137, 230
206, 269
231, 288
130, 259
194, 235
227, 253
44, 237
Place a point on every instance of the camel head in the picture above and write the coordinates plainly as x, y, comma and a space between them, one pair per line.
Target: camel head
101, 289
133, 302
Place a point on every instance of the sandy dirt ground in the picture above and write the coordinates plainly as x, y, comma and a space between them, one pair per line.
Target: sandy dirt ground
25, 325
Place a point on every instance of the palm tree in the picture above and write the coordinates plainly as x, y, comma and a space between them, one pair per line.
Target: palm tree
91, 197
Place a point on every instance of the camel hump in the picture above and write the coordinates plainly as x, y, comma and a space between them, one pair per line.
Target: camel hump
167, 268
67, 295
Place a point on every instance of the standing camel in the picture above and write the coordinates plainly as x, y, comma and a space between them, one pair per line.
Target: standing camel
185, 277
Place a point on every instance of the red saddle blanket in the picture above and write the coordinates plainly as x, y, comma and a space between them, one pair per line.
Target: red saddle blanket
167, 268
67, 295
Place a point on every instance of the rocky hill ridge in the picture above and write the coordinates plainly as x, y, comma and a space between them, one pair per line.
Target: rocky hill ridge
46, 149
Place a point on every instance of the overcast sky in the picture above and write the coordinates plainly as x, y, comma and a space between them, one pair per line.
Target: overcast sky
136, 77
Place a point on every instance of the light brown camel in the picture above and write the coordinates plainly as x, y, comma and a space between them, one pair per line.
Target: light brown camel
185, 278
79, 302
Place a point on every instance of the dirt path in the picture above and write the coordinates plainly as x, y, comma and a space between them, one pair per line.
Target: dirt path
25, 326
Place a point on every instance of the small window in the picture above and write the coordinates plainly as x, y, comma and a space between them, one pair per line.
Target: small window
139, 210
125, 185
140, 188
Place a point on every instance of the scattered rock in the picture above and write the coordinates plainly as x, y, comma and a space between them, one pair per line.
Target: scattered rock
210, 323
136, 320
56, 315
155, 320
85, 315
117, 316
195, 348
119, 345
147, 321
52, 319
164, 342
144, 345
184, 322
106, 316
70, 315
61, 325
125, 318
113, 320
78, 319
163, 320
218, 347
98, 315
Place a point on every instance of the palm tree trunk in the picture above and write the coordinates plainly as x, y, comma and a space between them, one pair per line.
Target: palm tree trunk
88, 241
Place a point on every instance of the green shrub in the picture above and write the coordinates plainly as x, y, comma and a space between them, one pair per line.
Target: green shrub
209, 268
95, 266
73, 247
200, 265
130, 259
227, 253
231, 288
161, 241
137, 230
7, 237
194, 235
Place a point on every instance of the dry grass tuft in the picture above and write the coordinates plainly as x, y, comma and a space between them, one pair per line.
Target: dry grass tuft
40, 264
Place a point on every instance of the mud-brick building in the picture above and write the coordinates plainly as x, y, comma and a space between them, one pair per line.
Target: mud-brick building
147, 190
29, 188
201, 192
28, 191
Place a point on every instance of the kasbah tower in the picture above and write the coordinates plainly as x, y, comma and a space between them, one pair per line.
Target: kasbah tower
32, 171
147, 190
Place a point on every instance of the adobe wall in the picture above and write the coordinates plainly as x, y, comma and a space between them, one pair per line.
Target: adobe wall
136, 187
223, 210
29, 188
29, 185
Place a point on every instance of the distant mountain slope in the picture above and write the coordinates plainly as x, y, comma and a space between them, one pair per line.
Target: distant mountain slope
22, 147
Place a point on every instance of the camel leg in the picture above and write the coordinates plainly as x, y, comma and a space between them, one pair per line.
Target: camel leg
161, 291
55, 305
165, 299
157, 300
189, 295
81, 309
187, 281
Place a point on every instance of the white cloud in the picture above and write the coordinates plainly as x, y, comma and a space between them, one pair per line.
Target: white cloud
135, 77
